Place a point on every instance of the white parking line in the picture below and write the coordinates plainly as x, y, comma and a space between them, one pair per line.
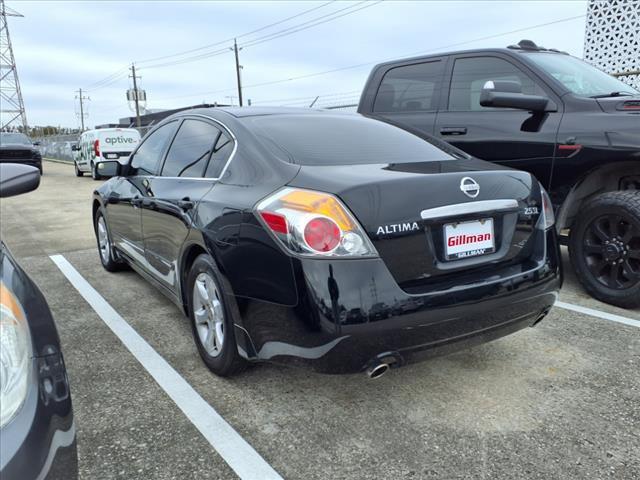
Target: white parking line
239, 455
597, 313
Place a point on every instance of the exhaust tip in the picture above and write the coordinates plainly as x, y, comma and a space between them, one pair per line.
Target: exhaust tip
377, 370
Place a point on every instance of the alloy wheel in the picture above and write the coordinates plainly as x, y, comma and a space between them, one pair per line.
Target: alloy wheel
208, 314
611, 246
103, 240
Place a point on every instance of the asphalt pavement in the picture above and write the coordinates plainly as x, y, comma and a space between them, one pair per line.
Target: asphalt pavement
561, 400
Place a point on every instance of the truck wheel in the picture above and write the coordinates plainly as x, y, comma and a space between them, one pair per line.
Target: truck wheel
604, 247
78, 172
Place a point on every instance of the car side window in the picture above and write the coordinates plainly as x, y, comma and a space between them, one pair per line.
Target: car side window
191, 149
221, 153
410, 88
470, 75
147, 158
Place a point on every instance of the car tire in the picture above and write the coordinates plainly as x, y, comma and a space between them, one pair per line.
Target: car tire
78, 172
105, 247
94, 173
211, 319
604, 247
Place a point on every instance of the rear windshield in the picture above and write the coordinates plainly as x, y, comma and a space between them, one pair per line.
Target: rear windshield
342, 140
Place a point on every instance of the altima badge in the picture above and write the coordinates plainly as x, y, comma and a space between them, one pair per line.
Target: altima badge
470, 187
397, 228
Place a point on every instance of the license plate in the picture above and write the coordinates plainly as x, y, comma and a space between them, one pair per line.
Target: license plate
112, 155
469, 239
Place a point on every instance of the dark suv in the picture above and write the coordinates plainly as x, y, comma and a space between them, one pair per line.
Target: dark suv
18, 148
574, 127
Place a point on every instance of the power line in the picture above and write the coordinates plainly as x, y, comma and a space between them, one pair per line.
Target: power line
309, 24
202, 56
358, 65
204, 47
108, 79
272, 36
311, 97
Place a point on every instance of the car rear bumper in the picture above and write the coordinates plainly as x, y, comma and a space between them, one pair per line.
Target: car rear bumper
334, 328
40, 441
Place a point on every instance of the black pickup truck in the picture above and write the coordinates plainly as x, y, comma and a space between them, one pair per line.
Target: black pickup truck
574, 127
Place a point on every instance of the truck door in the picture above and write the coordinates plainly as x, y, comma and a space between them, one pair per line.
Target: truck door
408, 94
510, 137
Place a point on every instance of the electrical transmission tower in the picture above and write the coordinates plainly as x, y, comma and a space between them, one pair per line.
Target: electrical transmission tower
12, 112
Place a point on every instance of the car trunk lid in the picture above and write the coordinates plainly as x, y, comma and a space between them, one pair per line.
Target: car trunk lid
432, 222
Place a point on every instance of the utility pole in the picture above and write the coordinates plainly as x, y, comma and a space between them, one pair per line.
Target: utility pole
12, 113
238, 67
135, 92
82, 99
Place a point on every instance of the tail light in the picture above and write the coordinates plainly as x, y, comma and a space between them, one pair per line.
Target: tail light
548, 218
313, 223
96, 148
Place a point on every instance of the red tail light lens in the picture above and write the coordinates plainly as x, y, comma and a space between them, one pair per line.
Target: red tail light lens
96, 148
322, 234
276, 222
313, 223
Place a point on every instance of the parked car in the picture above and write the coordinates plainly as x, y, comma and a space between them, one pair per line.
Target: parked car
18, 148
105, 143
574, 127
265, 225
37, 430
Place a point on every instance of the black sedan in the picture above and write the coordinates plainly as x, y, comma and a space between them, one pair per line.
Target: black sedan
18, 148
37, 430
330, 240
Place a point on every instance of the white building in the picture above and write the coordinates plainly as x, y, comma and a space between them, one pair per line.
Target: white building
612, 38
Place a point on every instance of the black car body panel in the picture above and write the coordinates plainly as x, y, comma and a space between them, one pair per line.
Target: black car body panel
338, 314
576, 139
40, 440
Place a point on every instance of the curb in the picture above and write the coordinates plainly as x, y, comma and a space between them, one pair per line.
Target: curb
55, 160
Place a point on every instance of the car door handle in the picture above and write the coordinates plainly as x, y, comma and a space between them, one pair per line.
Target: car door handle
136, 201
185, 204
453, 131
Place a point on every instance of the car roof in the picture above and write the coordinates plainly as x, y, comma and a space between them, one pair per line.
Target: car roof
241, 112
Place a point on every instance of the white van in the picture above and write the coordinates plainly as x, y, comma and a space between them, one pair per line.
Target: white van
104, 144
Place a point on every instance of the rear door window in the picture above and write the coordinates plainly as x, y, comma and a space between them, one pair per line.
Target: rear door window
470, 75
191, 149
146, 160
410, 88
221, 153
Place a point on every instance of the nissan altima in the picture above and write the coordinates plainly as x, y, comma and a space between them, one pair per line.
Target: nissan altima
325, 239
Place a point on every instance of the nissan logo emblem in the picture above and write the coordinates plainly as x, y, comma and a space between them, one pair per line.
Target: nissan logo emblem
469, 187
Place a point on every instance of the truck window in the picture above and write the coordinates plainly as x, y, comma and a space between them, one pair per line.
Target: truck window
409, 88
470, 75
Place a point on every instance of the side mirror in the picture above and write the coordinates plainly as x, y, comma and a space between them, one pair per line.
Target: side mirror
75, 148
507, 94
16, 179
108, 169
36, 144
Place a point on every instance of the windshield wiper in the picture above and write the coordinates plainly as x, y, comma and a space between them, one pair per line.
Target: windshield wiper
613, 94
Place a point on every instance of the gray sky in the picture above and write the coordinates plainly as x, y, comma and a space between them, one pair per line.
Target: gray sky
61, 46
